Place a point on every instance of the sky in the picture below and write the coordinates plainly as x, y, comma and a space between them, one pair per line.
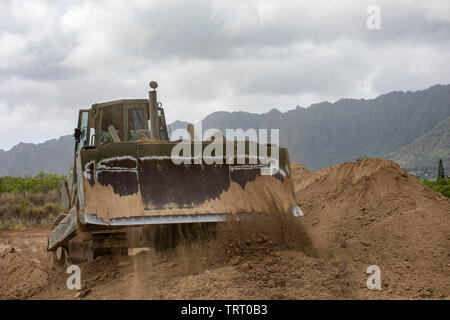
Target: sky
57, 57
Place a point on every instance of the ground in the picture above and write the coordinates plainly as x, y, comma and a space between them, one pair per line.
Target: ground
368, 212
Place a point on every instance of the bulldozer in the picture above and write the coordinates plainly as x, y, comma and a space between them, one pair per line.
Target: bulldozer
128, 188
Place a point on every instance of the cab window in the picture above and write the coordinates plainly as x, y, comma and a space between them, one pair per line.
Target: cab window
83, 127
136, 121
111, 116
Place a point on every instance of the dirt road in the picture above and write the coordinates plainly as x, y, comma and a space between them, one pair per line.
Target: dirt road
368, 212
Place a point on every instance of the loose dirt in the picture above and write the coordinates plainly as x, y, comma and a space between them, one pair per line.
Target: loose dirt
357, 214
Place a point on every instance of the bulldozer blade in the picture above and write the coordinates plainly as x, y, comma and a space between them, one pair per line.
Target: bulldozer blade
138, 183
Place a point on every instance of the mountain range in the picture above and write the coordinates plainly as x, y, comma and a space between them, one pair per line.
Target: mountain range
412, 128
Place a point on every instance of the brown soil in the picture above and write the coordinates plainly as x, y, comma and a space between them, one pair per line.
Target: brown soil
356, 214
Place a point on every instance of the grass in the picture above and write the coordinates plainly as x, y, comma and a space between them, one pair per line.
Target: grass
43, 182
21, 210
29, 201
442, 186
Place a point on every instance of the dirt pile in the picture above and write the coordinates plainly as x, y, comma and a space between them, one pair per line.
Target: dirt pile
372, 212
19, 278
300, 174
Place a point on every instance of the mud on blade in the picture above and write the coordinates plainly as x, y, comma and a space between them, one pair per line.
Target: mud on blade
135, 182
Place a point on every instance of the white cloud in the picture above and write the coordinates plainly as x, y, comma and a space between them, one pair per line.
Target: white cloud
436, 10
58, 57
13, 50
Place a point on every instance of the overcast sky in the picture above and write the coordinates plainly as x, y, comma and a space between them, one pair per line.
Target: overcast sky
59, 56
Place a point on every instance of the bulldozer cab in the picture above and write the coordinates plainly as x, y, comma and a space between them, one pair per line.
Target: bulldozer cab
117, 121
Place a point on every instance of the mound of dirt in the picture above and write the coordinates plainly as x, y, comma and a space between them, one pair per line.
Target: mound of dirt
18, 277
300, 174
372, 211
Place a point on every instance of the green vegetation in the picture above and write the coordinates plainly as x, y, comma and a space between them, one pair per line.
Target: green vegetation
43, 182
421, 156
442, 186
29, 201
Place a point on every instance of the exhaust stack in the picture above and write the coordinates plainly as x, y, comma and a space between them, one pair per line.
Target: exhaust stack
153, 106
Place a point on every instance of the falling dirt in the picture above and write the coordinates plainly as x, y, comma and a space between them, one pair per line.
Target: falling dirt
357, 214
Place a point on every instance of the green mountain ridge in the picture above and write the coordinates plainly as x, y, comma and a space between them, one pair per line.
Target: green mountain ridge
327, 133
411, 128
421, 156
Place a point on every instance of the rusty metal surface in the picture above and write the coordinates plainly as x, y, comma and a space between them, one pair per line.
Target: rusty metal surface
187, 186
136, 179
163, 219
65, 229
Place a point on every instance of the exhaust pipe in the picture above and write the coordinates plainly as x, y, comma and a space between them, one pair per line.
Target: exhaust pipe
153, 106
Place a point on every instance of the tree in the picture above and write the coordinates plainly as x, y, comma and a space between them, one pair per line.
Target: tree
441, 174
